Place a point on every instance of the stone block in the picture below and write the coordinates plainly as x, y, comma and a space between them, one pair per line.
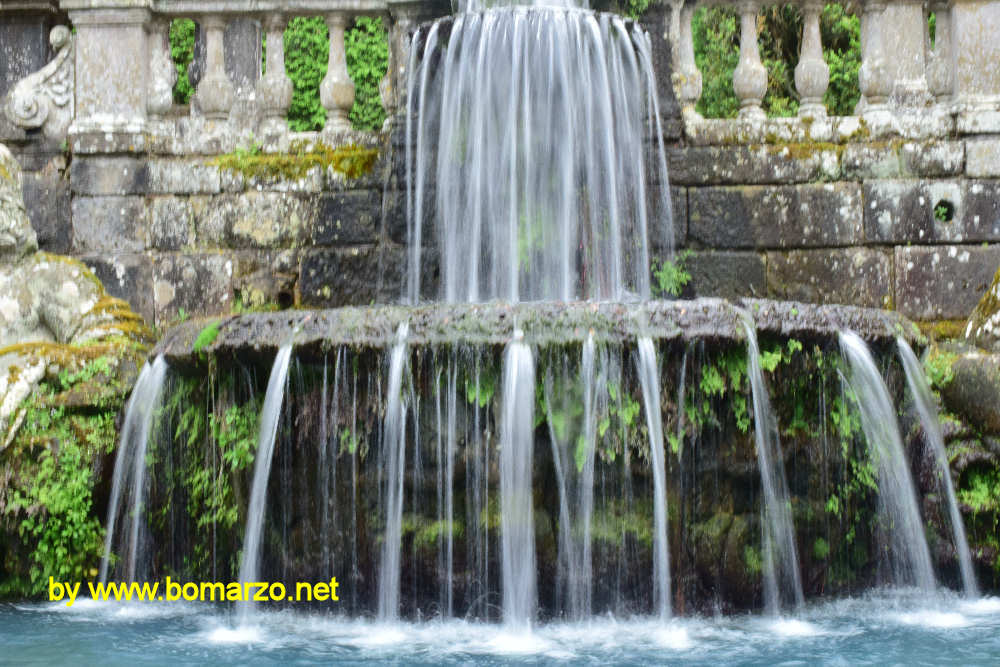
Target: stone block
109, 176
24, 46
934, 159
126, 276
253, 220
910, 211
753, 165
198, 284
982, 158
348, 218
183, 177
776, 216
659, 240
852, 276
109, 224
170, 223
47, 201
726, 274
943, 282
351, 276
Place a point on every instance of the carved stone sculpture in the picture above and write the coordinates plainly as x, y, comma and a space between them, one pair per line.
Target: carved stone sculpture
45, 99
54, 313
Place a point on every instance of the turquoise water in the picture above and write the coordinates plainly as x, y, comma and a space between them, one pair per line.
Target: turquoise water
883, 628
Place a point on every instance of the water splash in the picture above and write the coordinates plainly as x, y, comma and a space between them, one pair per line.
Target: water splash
132, 446
517, 527
269, 416
394, 455
921, 393
527, 153
908, 552
649, 378
782, 579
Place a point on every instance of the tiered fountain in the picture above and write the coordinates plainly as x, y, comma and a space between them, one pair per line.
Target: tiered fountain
533, 436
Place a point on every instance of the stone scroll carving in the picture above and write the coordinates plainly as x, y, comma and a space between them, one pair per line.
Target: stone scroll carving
44, 99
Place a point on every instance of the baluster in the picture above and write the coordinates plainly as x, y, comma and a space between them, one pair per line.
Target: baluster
337, 89
274, 89
750, 77
872, 76
686, 77
162, 73
939, 73
812, 75
215, 92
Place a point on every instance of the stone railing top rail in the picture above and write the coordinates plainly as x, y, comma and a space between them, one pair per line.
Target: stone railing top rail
710, 319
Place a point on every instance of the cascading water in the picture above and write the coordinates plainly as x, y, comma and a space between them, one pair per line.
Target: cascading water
782, 580
649, 379
574, 441
269, 416
517, 521
908, 552
394, 455
139, 412
921, 393
527, 154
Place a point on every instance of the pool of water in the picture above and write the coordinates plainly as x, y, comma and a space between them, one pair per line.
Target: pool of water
882, 628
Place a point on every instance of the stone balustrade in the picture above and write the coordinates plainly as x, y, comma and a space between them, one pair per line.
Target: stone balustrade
120, 61
909, 87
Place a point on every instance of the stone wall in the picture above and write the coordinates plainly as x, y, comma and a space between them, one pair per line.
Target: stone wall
897, 207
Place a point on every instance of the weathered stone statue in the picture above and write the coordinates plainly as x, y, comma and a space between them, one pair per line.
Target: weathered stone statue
54, 313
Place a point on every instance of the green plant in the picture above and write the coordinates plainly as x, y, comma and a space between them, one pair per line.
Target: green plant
367, 46
672, 275
351, 160
206, 336
182, 53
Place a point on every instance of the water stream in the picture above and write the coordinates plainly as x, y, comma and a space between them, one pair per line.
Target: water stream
269, 418
921, 392
517, 522
782, 579
907, 551
139, 411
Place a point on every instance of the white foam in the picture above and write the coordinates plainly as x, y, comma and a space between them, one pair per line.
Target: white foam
247, 634
932, 618
674, 637
794, 627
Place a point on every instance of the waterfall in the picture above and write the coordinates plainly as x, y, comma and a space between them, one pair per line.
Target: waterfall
527, 152
908, 552
649, 378
394, 456
921, 393
517, 527
270, 413
782, 580
139, 411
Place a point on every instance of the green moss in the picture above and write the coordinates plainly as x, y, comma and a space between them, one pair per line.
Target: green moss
612, 523
427, 536
821, 549
942, 330
206, 336
351, 160
753, 559
937, 366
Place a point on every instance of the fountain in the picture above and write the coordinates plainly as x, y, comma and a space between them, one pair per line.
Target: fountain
497, 448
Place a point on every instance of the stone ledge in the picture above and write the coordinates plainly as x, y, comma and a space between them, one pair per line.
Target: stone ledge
775, 164
542, 323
